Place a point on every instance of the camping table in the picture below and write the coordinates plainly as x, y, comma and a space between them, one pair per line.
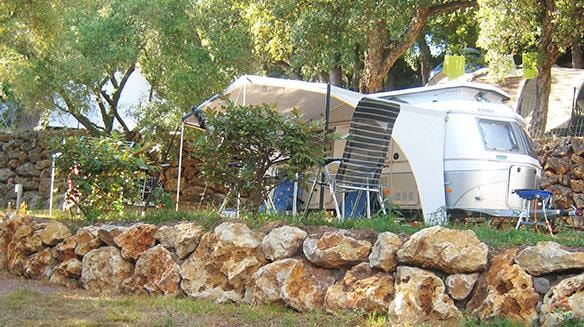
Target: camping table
530, 197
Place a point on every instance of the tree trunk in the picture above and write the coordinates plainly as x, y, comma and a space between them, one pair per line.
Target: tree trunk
322, 77
549, 51
336, 72
577, 56
425, 63
542, 94
381, 54
357, 67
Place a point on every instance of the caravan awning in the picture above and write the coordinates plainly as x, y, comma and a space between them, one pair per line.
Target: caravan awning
308, 98
418, 131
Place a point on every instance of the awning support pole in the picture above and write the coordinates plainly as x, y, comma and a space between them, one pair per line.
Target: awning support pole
180, 151
327, 109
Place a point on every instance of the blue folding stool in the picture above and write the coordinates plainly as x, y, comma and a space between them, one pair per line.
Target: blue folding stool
529, 198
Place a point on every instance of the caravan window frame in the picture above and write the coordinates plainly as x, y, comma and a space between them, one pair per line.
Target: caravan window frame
517, 147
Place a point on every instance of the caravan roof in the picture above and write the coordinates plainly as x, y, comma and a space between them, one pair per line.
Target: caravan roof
445, 92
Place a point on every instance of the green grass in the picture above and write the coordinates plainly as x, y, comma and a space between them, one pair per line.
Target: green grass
68, 308
504, 237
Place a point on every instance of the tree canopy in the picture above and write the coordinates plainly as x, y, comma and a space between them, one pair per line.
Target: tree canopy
76, 56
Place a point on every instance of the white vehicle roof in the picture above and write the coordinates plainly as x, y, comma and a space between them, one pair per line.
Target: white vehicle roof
443, 92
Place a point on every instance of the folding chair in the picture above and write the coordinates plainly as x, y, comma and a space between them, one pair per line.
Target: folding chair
363, 157
530, 198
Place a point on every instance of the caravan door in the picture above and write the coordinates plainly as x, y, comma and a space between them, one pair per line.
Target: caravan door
520, 177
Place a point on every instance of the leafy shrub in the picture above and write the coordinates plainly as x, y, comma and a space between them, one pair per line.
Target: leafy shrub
103, 173
242, 143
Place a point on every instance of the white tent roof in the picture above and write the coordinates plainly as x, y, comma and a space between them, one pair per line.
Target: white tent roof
308, 98
419, 131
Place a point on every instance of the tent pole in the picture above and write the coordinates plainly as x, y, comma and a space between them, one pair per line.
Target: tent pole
327, 109
180, 151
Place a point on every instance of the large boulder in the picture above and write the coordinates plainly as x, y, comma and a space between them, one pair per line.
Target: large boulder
504, 291
452, 251
363, 289
384, 252
156, 273
135, 240
548, 257
105, 269
24, 241
335, 249
203, 282
420, 298
459, 286
183, 238
305, 287
564, 302
266, 283
39, 265
87, 240
54, 232
283, 242
223, 263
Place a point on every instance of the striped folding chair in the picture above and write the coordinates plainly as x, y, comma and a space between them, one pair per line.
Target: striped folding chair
363, 158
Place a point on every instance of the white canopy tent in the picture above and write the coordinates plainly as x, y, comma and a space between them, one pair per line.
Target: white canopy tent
418, 131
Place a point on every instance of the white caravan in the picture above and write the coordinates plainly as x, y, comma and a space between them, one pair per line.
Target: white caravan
455, 147
487, 151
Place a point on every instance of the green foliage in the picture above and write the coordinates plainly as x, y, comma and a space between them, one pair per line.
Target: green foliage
256, 138
109, 171
513, 27
74, 56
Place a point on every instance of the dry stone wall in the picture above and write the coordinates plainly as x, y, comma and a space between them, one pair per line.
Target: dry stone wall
432, 277
25, 158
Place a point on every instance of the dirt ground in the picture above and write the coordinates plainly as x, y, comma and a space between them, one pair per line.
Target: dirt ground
26, 302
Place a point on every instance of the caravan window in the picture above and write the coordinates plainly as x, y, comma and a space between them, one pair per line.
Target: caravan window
498, 135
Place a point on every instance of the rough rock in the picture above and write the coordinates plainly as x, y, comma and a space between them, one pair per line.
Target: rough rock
548, 257
334, 250
67, 273
420, 298
564, 302
87, 240
105, 269
66, 249
155, 272
504, 291
577, 185
449, 250
202, 281
562, 196
459, 286
283, 242
560, 166
183, 238
135, 240
223, 263
305, 287
384, 252
54, 233
362, 288
39, 265
266, 283
578, 145
5, 174
107, 233
22, 242
541, 285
